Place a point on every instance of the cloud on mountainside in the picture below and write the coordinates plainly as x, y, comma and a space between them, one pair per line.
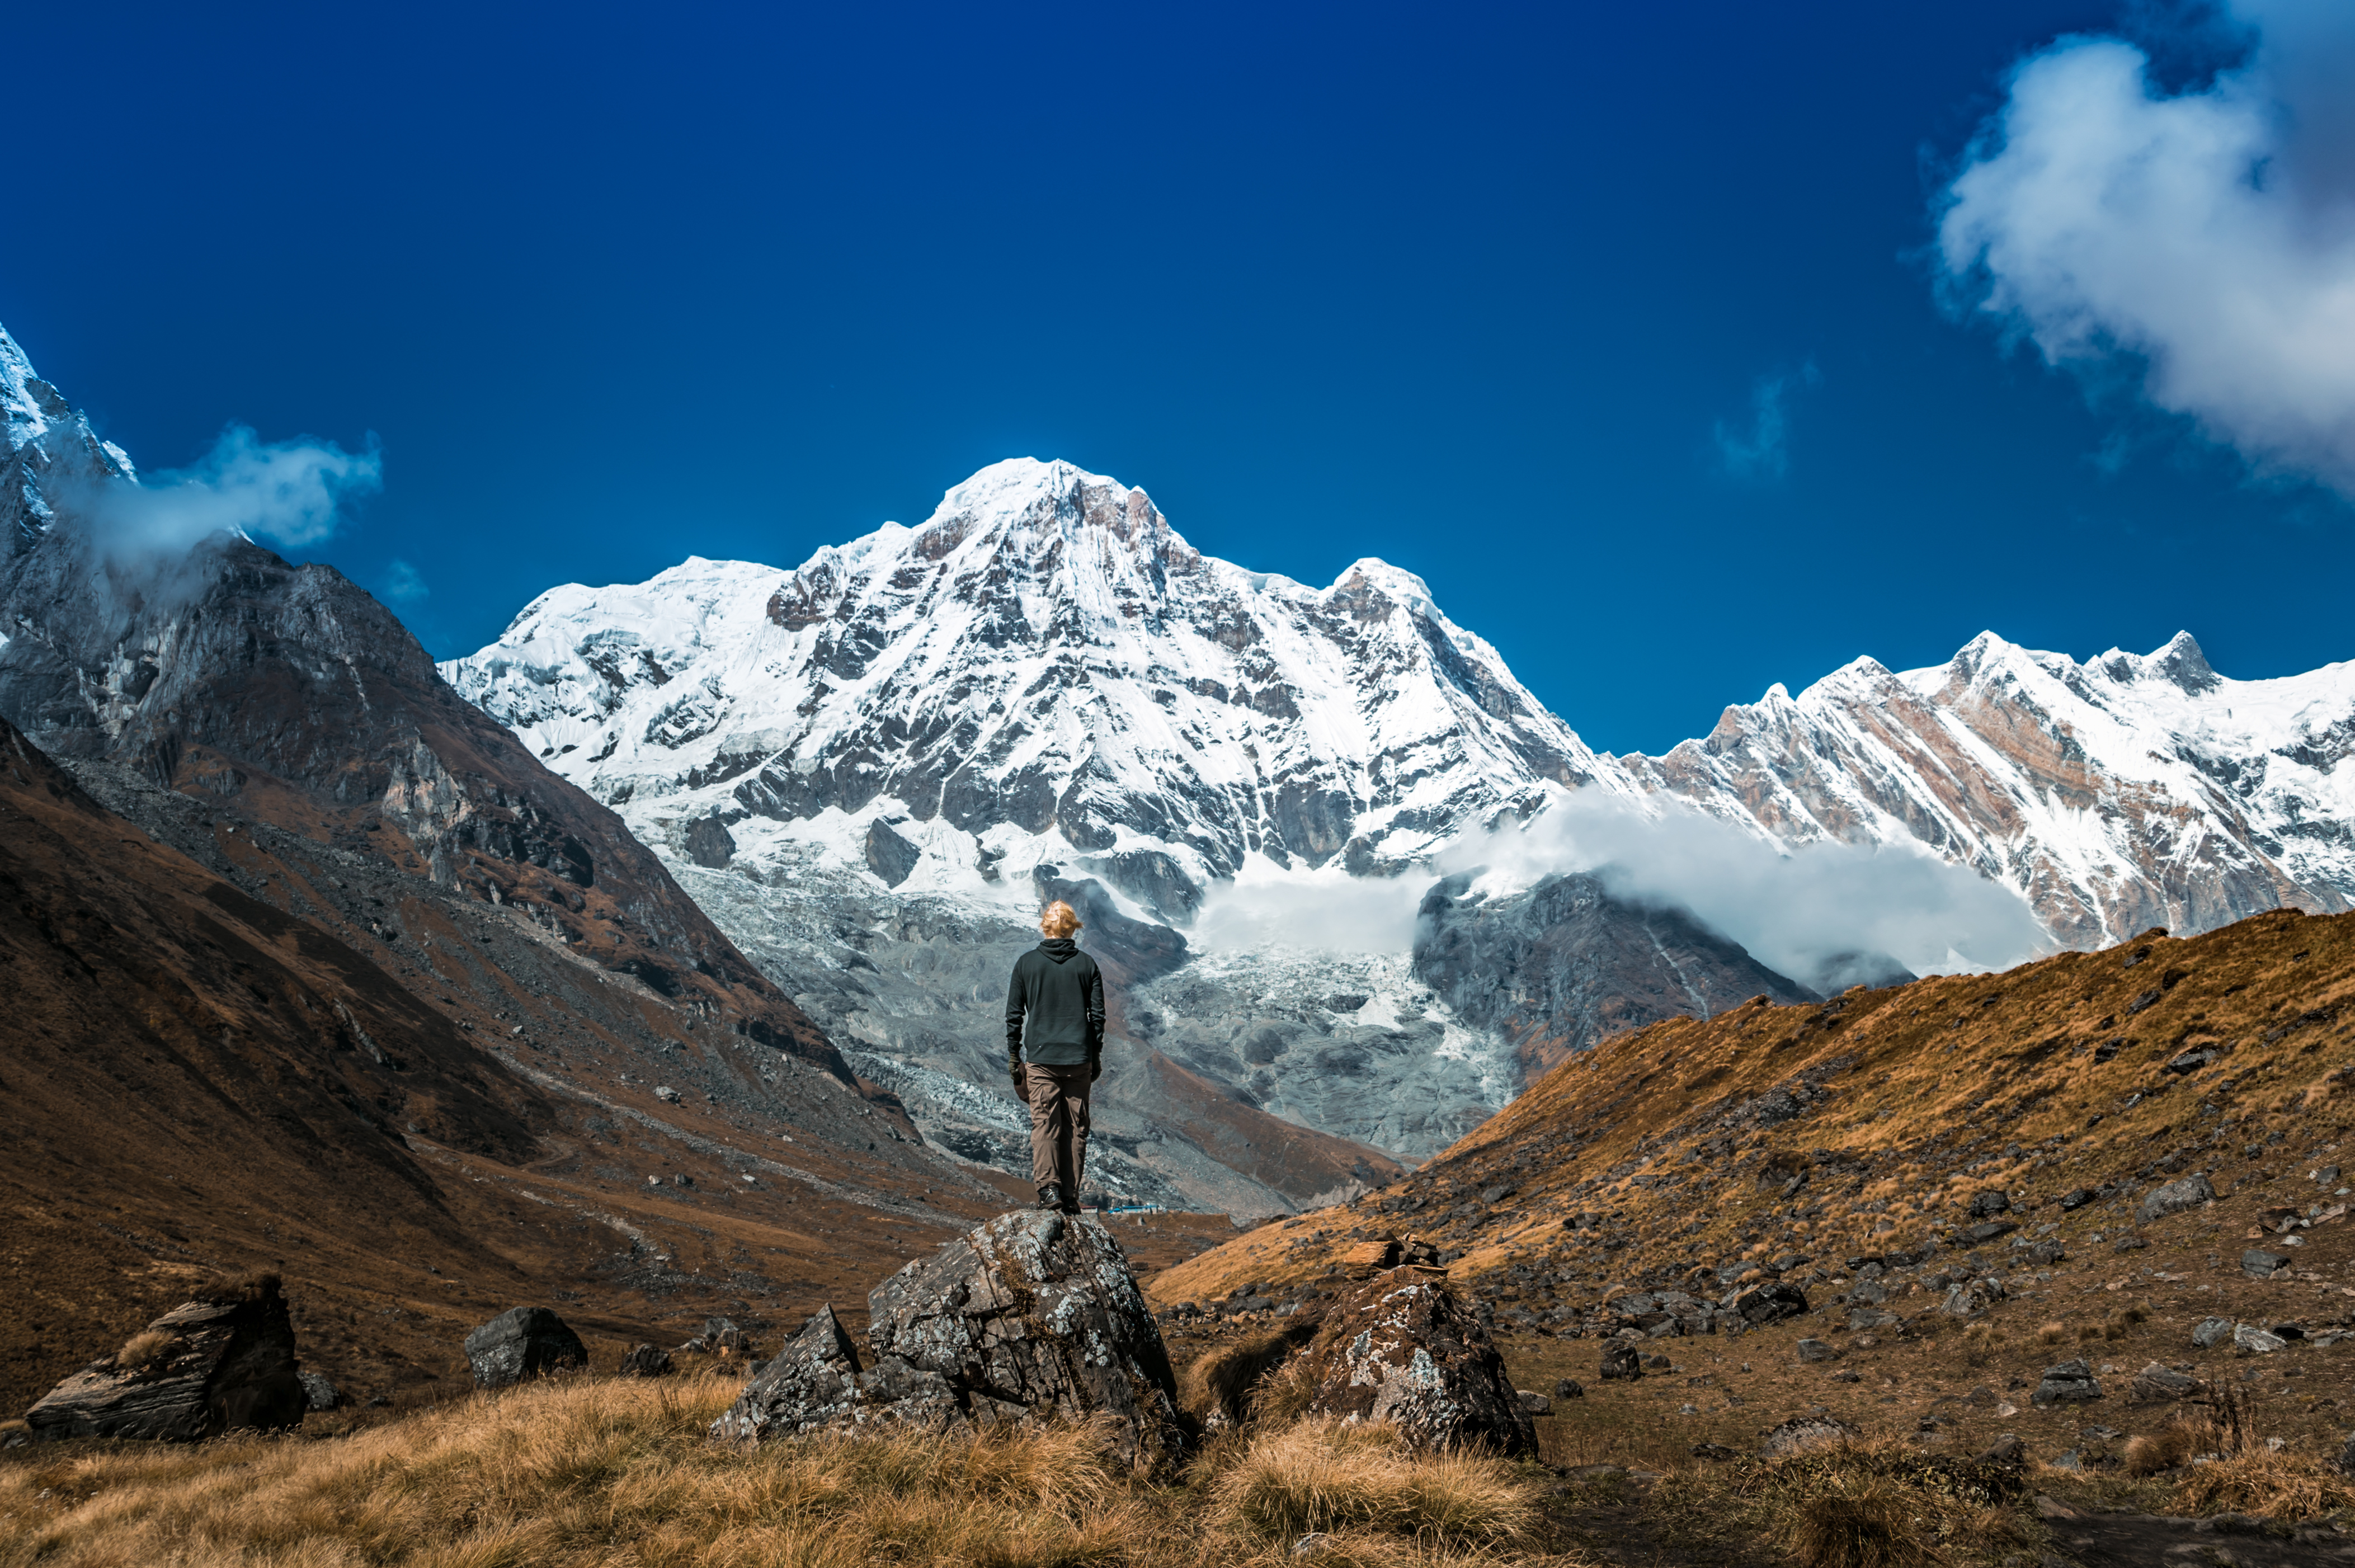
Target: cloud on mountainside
292, 492
1762, 450
1791, 908
2204, 239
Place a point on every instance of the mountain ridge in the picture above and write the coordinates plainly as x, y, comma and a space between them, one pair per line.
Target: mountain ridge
2128, 791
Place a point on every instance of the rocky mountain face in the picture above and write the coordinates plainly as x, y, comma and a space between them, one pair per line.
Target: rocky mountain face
289, 695
1564, 963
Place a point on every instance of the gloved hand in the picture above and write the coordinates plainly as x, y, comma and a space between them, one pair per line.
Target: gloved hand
1014, 1071
1095, 1068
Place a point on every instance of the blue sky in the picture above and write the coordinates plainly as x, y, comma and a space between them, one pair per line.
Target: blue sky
1622, 325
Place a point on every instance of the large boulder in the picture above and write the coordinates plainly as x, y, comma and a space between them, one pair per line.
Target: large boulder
1402, 1349
222, 1362
523, 1342
1032, 1316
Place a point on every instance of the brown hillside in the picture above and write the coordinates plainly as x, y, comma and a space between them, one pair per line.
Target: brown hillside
421, 1108
1798, 1142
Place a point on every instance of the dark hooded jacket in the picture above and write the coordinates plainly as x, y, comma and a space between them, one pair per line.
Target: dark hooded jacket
1059, 990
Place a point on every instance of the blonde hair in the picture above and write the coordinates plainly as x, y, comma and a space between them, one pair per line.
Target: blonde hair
1059, 919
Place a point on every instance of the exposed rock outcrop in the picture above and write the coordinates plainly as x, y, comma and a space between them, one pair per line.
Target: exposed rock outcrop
223, 1361
1560, 965
1030, 1316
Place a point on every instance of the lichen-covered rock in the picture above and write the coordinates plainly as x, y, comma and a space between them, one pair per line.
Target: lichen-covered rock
318, 1392
811, 1384
1402, 1350
1031, 1315
2211, 1332
523, 1342
1804, 1435
1621, 1359
223, 1361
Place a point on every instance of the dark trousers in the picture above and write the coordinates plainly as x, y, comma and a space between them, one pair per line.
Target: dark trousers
1059, 1126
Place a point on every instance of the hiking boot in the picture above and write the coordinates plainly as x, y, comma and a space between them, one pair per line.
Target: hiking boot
1050, 1198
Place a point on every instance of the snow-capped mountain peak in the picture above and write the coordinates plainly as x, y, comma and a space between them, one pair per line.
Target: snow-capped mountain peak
1044, 670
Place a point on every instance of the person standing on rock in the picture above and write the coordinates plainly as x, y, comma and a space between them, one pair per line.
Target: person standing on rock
1058, 992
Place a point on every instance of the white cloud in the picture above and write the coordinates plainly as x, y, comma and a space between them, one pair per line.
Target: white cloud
2205, 238
1793, 909
1763, 450
404, 584
292, 492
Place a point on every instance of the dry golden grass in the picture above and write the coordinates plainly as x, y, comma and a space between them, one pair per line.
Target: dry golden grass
2054, 1332
2279, 1484
1319, 1476
1218, 1386
2172, 1443
611, 1472
147, 1345
1856, 1523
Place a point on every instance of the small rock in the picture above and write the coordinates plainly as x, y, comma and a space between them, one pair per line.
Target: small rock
2072, 1201
1534, 1402
2004, 1450
2157, 1382
645, 1361
1817, 1350
1569, 1388
318, 1393
1769, 1302
2211, 1332
2248, 1340
1988, 1204
2192, 1060
1988, 1230
2258, 1264
2067, 1383
2187, 1192
1620, 1360
523, 1342
667, 1094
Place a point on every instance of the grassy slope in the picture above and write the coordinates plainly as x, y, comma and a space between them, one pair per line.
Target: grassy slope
1918, 1097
